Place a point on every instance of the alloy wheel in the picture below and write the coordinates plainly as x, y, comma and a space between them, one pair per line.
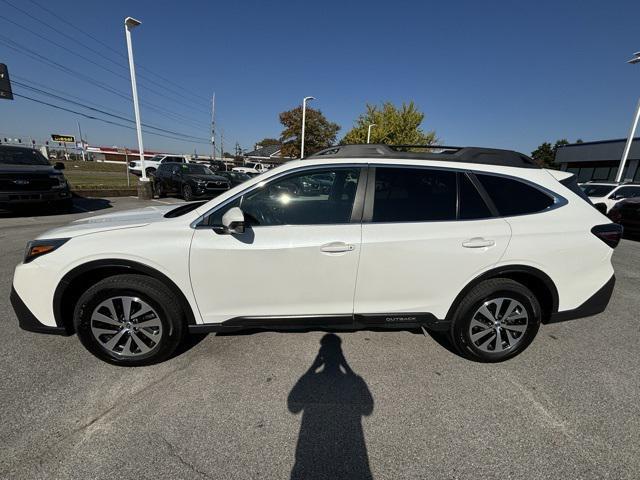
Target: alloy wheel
126, 326
499, 324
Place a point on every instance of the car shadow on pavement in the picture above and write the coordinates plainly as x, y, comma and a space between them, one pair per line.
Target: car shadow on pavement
333, 399
80, 205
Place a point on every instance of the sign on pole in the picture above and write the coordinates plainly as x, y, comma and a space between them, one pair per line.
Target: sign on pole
5, 83
63, 138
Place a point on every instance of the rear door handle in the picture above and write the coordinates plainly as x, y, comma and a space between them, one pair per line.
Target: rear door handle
337, 247
478, 242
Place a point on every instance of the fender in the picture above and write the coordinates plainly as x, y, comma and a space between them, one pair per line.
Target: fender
507, 271
121, 266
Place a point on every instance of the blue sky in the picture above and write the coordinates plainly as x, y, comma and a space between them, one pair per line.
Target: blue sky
503, 74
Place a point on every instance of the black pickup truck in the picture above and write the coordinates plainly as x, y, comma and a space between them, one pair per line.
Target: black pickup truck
27, 178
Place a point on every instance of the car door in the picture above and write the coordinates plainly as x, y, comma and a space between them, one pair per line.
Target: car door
297, 260
426, 233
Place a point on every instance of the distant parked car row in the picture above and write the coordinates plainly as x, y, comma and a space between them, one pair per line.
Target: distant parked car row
619, 201
193, 181
152, 165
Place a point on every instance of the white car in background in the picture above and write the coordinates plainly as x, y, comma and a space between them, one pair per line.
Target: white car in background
480, 243
152, 164
604, 195
252, 168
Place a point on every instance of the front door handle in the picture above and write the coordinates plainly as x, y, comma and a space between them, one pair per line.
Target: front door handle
478, 242
337, 247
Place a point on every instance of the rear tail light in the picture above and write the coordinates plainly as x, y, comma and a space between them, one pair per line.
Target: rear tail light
611, 233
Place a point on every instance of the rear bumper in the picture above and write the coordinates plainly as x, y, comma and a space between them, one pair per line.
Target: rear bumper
15, 198
28, 321
597, 303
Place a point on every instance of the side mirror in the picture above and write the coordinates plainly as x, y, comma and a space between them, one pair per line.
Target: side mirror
233, 221
59, 166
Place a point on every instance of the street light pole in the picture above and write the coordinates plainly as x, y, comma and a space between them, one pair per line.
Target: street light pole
369, 132
130, 24
304, 114
634, 125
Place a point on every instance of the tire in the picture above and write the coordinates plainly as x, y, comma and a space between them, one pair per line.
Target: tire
475, 334
158, 190
151, 172
187, 193
135, 346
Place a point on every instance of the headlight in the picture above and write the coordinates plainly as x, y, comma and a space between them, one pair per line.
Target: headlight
37, 248
62, 182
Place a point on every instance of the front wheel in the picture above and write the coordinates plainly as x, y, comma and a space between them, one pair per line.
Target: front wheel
496, 320
129, 320
187, 193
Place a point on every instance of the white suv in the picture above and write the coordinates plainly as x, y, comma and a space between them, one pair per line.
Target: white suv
152, 164
604, 195
479, 243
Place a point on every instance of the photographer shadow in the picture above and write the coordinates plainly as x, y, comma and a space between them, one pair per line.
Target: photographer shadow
333, 399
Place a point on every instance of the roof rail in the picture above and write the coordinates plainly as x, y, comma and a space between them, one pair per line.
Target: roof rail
444, 153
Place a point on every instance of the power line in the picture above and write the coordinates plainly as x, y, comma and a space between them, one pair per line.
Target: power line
100, 54
91, 117
119, 117
36, 56
93, 62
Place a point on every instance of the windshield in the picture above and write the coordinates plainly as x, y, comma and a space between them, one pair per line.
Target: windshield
156, 158
192, 169
22, 156
597, 190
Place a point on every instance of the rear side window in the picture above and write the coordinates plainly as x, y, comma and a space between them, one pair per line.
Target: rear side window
472, 206
513, 197
414, 195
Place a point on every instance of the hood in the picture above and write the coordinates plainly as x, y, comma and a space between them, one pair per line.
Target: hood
44, 169
111, 221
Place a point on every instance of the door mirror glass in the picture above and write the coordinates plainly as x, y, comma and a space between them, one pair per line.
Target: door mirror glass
233, 221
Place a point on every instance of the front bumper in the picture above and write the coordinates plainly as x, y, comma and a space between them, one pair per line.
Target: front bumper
28, 321
27, 197
597, 303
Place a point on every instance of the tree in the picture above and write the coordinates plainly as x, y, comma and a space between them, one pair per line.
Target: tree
319, 132
545, 154
266, 142
393, 125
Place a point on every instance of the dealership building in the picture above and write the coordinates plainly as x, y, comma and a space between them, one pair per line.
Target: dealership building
599, 161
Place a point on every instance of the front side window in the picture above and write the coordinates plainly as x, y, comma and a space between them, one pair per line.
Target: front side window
513, 197
414, 195
298, 199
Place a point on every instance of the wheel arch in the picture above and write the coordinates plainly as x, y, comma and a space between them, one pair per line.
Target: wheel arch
533, 278
76, 281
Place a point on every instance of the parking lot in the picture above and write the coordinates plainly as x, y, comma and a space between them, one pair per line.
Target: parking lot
249, 405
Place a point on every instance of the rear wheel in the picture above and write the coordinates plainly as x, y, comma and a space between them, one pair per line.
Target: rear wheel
129, 320
158, 189
496, 321
151, 172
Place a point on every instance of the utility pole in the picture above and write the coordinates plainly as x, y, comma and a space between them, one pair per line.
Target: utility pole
213, 125
221, 146
81, 141
634, 125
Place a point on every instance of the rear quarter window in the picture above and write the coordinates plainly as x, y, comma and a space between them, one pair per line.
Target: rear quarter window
513, 197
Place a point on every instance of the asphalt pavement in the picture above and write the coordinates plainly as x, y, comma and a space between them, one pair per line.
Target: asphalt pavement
388, 405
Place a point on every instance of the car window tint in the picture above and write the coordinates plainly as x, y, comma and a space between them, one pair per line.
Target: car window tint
299, 199
513, 197
472, 206
414, 195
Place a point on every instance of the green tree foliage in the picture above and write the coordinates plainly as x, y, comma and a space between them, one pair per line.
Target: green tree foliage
393, 125
319, 132
545, 154
266, 142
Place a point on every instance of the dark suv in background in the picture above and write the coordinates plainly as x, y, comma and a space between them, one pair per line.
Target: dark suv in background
27, 178
189, 180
